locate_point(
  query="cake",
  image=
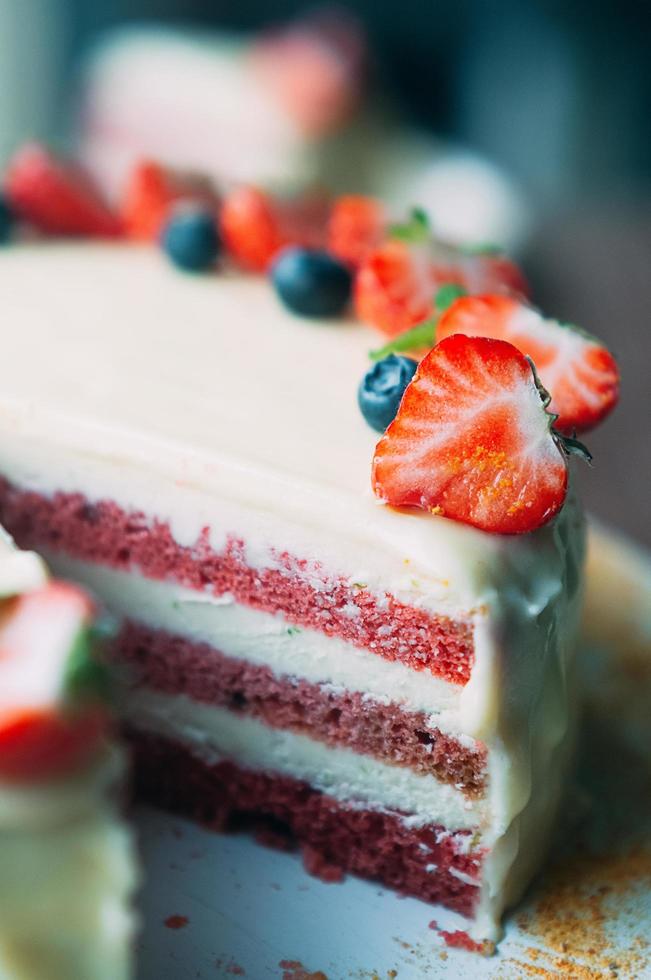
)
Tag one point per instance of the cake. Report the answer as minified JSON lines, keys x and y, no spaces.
{"x":378,"y":669}
{"x":66,"y":859}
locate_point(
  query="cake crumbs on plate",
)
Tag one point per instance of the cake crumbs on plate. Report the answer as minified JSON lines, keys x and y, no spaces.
{"x":294,"y":970}
{"x":571,"y":918}
{"x":228,"y":967}
{"x":176,"y":921}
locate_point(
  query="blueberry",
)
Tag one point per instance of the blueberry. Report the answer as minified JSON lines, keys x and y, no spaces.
{"x":190,"y":238}
{"x":311,"y":282}
{"x":6,"y":221}
{"x":382,"y":387}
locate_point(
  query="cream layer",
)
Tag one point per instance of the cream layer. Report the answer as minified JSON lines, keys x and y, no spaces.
{"x":265,"y":639}
{"x":217,"y":734}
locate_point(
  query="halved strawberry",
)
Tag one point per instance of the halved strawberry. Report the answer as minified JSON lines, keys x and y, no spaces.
{"x":55,"y":196}
{"x":394,"y":288}
{"x":472,"y":440}
{"x":396,"y":284}
{"x":51,"y":716}
{"x":356,"y":227}
{"x":580,"y":374}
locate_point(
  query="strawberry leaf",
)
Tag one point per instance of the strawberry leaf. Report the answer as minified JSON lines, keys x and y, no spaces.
{"x":422,"y":335}
{"x":415,"y":230}
{"x":86,"y":678}
{"x":447,"y":294}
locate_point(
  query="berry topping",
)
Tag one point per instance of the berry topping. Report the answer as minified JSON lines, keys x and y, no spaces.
{"x":578,"y":371}
{"x":311,"y":282}
{"x":6,"y":221}
{"x":396,"y":283}
{"x":251,"y":228}
{"x":55,"y":197}
{"x":473,"y":441}
{"x":51,"y":710}
{"x":382,"y":387}
{"x":422,"y":337}
{"x":356,"y":227}
{"x":393,"y":288}
{"x":151,"y":191}
{"x":190,"y":237}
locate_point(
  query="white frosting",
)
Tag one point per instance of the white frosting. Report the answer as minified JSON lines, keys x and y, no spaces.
{"x":20,"y":571}
{"x":216,"y":733}
{"x":199,"y":401}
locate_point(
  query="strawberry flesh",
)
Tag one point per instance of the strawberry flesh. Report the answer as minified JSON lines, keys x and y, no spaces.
{"x":472,"y":441}
{"x":580,"y":374}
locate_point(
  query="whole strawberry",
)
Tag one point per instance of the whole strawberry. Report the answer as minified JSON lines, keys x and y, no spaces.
{"x":473,"y":440}
{"x":578,"y":371}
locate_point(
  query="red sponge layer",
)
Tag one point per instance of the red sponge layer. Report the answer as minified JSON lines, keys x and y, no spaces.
{"x":105,"y":533}
{"x":334,"y":838}
{"x":176,"y":665}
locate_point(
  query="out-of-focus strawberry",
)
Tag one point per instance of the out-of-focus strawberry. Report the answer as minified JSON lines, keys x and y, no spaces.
{"x":151,"y":192}
{"x":396,"y":283}
{"x":56,"y":197}
{"x":356,"y":227}
{"x":255,"y":226}
{"x":51,"y":713}
{"x":251,"y":228}
{"x":394,"y":288}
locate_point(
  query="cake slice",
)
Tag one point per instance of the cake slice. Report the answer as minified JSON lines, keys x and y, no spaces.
{"x":391,"y":689}
{"x":66,"y":861}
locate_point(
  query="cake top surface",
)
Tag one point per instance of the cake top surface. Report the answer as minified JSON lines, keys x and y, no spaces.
{"x":112,"y":334}
{"x":212,"y":384}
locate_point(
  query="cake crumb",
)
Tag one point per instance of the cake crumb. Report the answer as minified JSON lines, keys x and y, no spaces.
{"x":316,"y":864}
{"x":294,"y":970}
{"x":230,"y":968}
{"x":176,"y":922}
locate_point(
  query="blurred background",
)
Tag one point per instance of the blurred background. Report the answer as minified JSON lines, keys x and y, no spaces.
{"x":520,"y":121}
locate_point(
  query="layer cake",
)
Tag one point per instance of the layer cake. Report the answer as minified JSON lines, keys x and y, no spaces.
{"x":389,"y":688}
